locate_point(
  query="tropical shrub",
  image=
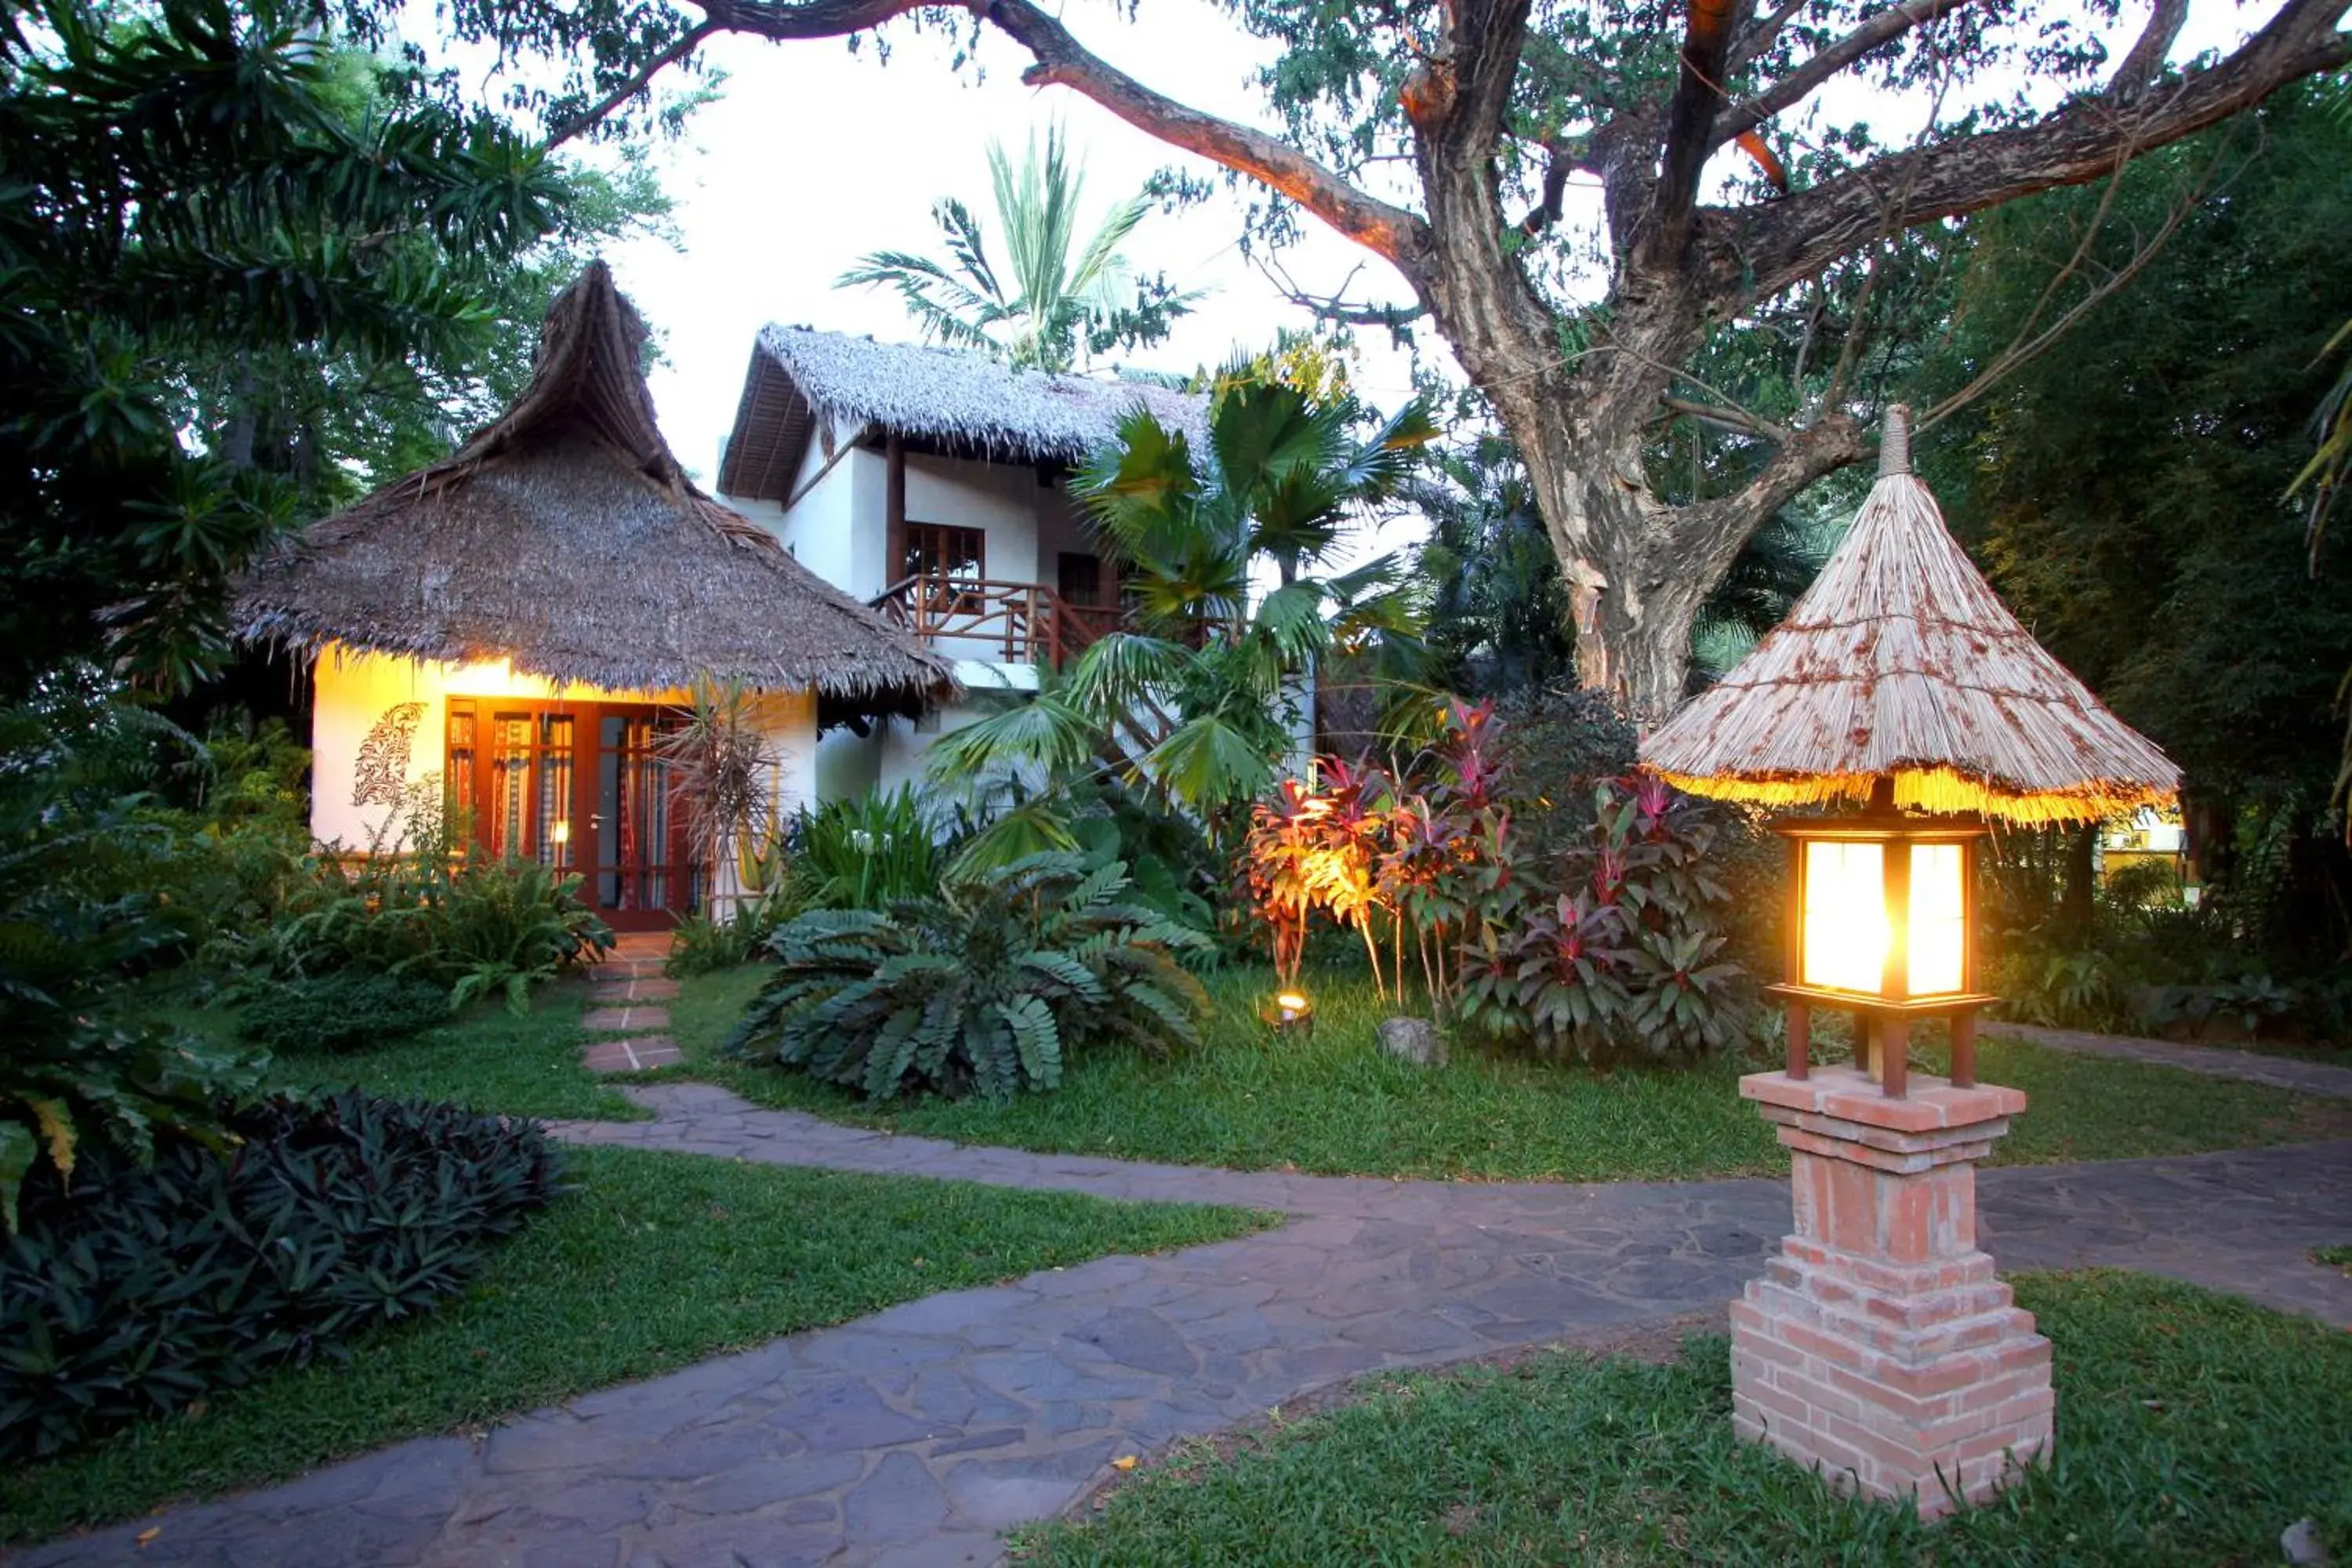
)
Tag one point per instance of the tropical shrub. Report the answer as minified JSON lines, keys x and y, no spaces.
{"x":867,"y":852}
{"x":411,"y":907}
{"x":345,"y":1010}
{"x":79,"y":1064}
{"x":983,"y":988}
{"x":1614,"y":943}
{"x":141,"y":1287}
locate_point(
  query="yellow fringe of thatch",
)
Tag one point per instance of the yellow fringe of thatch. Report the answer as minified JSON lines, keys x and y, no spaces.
{"x":1938,"y":790}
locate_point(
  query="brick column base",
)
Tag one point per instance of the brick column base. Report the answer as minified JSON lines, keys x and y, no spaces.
{"x":1878,"y":1347}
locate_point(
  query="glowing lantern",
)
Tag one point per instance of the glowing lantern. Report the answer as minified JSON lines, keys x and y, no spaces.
{"x":1287,"y":1011}
{"x":1881,"y":915}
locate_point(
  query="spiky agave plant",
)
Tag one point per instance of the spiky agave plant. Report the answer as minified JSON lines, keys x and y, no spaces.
{"x":983,"y":989}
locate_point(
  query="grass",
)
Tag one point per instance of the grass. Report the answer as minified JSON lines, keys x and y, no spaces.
{"x":1335,"y":1103}
{"x":656,"y":1261}
{"x":2332,"y":1257}
{"x":486,"y":1059}
{"x":2193,"y":1428}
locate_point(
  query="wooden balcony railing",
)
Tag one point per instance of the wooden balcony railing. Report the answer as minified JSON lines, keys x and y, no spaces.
{"x":1024,"y":622}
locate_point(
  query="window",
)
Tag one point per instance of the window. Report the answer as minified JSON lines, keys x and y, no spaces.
{"x":941,"y":550}
{"x":1080,"y":578}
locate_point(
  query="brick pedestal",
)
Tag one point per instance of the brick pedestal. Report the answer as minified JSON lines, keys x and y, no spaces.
{"x":1878,"y":1347}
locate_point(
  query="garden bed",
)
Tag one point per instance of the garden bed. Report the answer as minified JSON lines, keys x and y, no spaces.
{"x":2193,"y":1428}
{"x":1332,"y":1103}
{"x":656,"y":1262}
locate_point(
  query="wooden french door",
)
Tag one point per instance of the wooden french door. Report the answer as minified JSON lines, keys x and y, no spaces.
{"x":577,"y":786}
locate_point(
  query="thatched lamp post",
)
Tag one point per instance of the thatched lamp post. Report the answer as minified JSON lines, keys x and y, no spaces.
{"x":1879,"y":1346}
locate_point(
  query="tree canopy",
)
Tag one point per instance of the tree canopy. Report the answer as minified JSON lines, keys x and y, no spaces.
{"x":1446,"y":138}
{"x":243,"y":273}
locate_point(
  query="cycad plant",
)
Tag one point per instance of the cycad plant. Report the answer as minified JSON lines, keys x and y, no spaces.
{"x":1196,"y":702}
{"x":1057,"y":297}
{"x":983,"y":989}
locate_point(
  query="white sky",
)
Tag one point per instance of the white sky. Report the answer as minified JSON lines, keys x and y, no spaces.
{"x":814,"y":156}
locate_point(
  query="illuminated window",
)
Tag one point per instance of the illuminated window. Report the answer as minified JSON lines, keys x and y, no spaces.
{"x":1939,"y":927}
{"x":1845,"y":915}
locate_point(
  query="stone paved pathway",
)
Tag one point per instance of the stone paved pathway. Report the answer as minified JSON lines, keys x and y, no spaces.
{"x":628,"y":992}
{"x":2213,"y":1061}
{"x":913,"y":1436}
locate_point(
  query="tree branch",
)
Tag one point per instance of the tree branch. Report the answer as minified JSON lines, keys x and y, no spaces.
{"x":1800,"y":84}
{"x":1333,"y":306}
{"x":588,"y":118}
{"x":1788,"y":241}
{"x":1388,"y":231}
{"x":1565,"y":160}
{"x":1690,"y":118}
{"x":1759,"y":35}
{"x":2144,"y":62}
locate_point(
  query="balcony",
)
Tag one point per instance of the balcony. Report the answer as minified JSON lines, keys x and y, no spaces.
{"x":1013,"y":623}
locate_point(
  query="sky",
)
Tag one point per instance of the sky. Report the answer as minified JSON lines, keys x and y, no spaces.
{"x":813,"y":155}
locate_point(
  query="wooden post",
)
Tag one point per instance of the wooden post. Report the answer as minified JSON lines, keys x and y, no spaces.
{"x":1800,"y":1038}
{"x":1964,"y":1048}
{"x":1894,"y":1035}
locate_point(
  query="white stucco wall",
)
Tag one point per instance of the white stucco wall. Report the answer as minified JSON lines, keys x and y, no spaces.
{"x":352,"y":692}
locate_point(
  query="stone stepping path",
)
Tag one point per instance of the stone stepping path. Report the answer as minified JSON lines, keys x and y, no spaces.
{"x":916,"y":1436}
{"x":627,"y":995}
{"x":2213,"y":1061}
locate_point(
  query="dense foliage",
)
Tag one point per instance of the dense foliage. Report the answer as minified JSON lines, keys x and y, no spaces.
{"x":2128,"y":493}
{"x":1199,"y":703}
{"x":79,"y":916}
{"x":141,"y":1286}
{"x":243,"y":272}
{"x":344,"y":1010}
{"x":1610,"y":940}
{"x":985,"y":988}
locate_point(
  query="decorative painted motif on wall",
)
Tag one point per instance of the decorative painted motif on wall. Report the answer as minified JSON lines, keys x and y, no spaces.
{"x":382,"y":772}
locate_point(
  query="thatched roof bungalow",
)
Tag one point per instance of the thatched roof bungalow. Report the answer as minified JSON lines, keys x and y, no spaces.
{"x":1902,"y":667}
{"x":522,"y":616}
{"x":837,"y":388}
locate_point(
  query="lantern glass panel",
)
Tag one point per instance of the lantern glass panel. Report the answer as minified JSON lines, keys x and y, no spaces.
{"x":1846,"y":916}
{"x":1939,"y":927}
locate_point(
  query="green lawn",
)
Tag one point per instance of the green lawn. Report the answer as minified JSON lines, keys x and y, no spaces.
{"x":487,"y":1059}
{"x":2332,"y":1257}
{"x":1335,"y":1103}
{"x":656,"y":1261}
{"x":2193,"y":1428}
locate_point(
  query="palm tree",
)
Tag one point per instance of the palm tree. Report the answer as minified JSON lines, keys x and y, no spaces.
{"x":1195,"y":703}
{"x":1057,"y":297}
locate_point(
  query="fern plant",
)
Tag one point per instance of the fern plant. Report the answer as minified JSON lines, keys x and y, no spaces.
{"x":984,"y":988}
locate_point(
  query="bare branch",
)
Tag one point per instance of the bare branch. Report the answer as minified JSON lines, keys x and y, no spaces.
{"x":1565,"y":160}
{"x":1389,"y":231}
{"x":1800,"y":84}
{"x":1787,"y":241}
{"x":590,"y":118}
{"x":1690,"y":118}
{"x":2144,"y":62}
{"x":1333,"y":306}
{"x":1738,"y":421}
{"x":1759,"y":35}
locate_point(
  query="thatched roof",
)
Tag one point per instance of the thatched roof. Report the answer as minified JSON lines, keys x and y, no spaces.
{"x":565,"y":538}
{"x":956,"y":399}
{"x":1901,"y":663}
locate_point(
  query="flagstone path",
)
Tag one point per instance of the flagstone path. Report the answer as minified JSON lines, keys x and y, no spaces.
{"x":2213,"y":1061}
{"x":627,"y":996}
{"x":913,"y":1436}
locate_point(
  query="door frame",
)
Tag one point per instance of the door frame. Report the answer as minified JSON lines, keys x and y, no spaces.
{"x":588,"y":752}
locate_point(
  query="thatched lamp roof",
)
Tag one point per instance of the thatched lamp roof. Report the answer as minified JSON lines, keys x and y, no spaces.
{"x":1902,"y":664}
{"x":565,"y":538}
{"x":799,"y":378}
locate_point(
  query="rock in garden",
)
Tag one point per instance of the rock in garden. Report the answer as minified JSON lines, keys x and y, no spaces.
{"x":2301,"y":1545}
{"x":1415,"y":1040}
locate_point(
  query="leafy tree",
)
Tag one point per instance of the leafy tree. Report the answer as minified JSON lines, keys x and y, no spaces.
{"x":241,"y":273}
{"x":2126,"y":490}
{"x":1444,"y":139}
{"x":1057,"y":297}
{"x":1201,"y":694}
